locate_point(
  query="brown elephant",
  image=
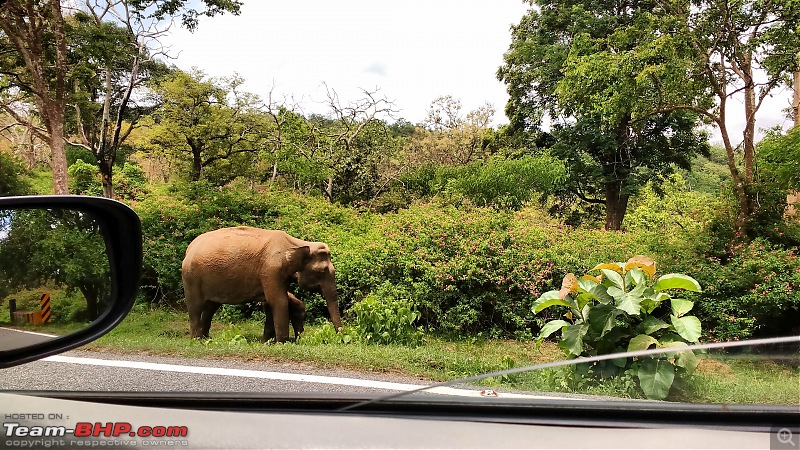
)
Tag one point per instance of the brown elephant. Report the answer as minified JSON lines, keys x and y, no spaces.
{"x":242,"y":264}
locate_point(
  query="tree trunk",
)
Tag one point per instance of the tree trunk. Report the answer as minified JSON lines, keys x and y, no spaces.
{"x":197,"y":160}
{"x":274,"y":173}
{"x":106,"y":174}
{"x":796,"y":97}
{"x":59,"y":157}
{"x":616,"y":205}
{"x":91,"y":302}
{"x":748,"y":142}
{"x":329,"y":188}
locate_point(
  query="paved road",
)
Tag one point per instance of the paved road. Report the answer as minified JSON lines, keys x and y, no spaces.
{"x":95,"y":371}
{"x":10,"y":339}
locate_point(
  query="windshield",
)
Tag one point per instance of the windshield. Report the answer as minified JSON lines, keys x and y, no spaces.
{"x":365,"y":198}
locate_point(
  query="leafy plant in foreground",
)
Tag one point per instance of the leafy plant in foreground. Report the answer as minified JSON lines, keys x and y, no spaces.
{"x":626,"y":309}
{"x":385,"y":320}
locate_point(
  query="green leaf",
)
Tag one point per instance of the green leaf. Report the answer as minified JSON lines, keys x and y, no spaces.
{"x":537,"y":307}
{"x":688,"y":327}
{"x":637,"y":276}
{"x":595,"y":291}
{"x":681,"y":306}
{"x":631,"y":304}
{"x":614,"y":277}
{"x":549,"y":299}
{"x":551,"y":327}
{"x":615,"y":292}
{"x":677,"y":281}
{"x":655,"y":377}
{"x":652,"y":324}
{"x":641,"y":342}
{"x":685,"y":359}
{"x":572,"y":338}
{"x":602,"y":318}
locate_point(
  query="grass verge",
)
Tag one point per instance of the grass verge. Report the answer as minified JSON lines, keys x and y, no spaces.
{"x":717,"y":380}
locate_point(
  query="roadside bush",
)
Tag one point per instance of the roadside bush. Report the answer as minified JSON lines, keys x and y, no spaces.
{"x":755,"y":294}
{"x":626,"y":309}
{"x":472,"y":269}
{"x":12,"y":176}
{"x":676,"y":208}
{"x":387,"y":317}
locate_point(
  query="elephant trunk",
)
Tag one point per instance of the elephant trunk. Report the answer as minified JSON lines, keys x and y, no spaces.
{"x":329,"y":292}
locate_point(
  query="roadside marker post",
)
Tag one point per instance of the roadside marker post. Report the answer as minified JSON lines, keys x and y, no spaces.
{"x":43,"y":315}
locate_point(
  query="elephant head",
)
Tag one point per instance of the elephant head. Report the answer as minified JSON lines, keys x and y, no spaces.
{"x":315,"y":272}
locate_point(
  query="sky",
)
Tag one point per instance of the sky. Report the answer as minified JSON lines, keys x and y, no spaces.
{"x":412,"y":51}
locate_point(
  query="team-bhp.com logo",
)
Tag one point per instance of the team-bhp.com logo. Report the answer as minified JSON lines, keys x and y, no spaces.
{"x":18,"y":435}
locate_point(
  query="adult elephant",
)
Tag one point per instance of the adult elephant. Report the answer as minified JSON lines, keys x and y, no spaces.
{"x":242,"y":264}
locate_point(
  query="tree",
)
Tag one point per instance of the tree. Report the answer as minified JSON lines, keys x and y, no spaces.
{"x":570,"y":60}
{"x":697,"y":56}
{"x":209,"y":120}
{"x":335,"y":137}
{"x":449,"y":137}
{"x":35,"y":63}
{"x":112,"y":58}
{"x":34,"y":46}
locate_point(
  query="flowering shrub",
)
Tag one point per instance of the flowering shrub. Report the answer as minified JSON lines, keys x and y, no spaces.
{"x":471,"y":269}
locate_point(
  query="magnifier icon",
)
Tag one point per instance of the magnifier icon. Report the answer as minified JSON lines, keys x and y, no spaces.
{"x":785,"y":436}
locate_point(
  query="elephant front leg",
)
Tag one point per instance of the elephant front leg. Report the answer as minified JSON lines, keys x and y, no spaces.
{"x":279,"y":304}
{"x":269,"y":324}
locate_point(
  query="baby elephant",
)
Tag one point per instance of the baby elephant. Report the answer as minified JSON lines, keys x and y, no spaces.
{"x":297,"y":317}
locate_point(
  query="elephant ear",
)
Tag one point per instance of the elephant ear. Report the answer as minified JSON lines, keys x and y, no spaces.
{"x":296,"y":258}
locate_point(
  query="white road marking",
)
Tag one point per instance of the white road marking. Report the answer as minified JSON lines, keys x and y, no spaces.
{"x":279,"y":376}
{"x":29,"y":332}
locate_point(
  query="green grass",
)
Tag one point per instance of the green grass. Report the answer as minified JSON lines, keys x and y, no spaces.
{"x":162,"y":332}
{"x":721,"y":379}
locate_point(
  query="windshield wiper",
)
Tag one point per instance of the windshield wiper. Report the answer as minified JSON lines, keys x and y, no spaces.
{"x":569,"y":362}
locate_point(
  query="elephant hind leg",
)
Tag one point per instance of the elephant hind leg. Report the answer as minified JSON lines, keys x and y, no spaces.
{"x":195,"y":321}
{"x":209,"y":308}
{"x":269,"y":325}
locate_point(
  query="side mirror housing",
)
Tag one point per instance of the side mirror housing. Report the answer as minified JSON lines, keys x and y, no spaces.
{"x":83,"y":251}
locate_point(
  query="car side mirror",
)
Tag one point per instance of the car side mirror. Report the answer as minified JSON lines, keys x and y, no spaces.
{"x":70,"y":267}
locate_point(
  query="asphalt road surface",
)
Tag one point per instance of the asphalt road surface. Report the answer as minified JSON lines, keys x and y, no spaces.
{"x":99,"y":371}
{"x":10,"y":339}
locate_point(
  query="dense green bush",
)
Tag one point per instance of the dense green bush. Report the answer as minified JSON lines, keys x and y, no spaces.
{"x":498,"y":182}
{"x":755,"y":293}
{"x":12,"y":176}
{"x":471,"y":269}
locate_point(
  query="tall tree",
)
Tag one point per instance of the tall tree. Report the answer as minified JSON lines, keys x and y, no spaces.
{"x":451,"y":137}
{"x":337,"y":134}
{"x":209,"y":120}
{"x":112,"y":58}
{"x":569,"y":61}
{"x":34,"y":46}
{"x":35,"y":65}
